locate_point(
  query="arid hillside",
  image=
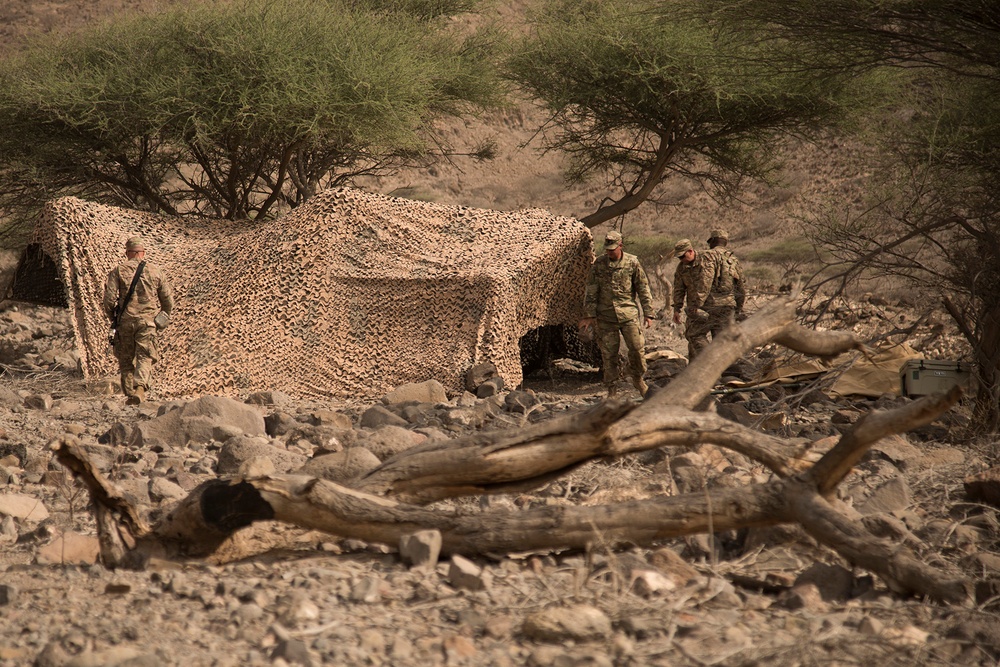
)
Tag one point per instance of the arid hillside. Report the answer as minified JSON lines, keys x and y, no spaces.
{"x":522,"y":176}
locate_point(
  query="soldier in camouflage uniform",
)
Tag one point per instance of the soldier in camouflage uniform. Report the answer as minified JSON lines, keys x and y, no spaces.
{"x":692,"y":282}
{"x":726,"y":296}
{"x":146,"y":312}
{"x":616,"y":282}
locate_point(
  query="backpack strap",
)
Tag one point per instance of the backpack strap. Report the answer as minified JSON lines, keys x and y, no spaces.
{"x":128,"y":296}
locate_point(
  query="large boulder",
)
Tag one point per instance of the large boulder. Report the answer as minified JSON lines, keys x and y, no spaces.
{"x":199,"y":420}
{"x":242,"y":449}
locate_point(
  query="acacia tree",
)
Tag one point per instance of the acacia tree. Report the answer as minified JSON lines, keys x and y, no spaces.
{"x":638,"y":90}
{"x":235,"y":109}
{"x":933,"y":215}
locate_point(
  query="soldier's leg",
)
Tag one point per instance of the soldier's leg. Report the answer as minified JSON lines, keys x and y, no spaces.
{"x":609,"y":340}
{"x":696,"y":332}
{"x":635,"y":341}
{"x":719,"y":319}
{"x":125,"y":353}
{"x":145,"y":356}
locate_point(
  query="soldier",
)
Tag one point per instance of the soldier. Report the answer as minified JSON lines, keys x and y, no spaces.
{"x":692,"y":282}
{"x":727,"y":293}
{"x":137,"y":301}
{"x":616,"y":281}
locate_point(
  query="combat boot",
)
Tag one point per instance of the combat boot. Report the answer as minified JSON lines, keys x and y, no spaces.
{"x":641,"y":385}
{"x":138,"y":397}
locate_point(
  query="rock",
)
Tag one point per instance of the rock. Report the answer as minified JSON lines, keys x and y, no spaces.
{"x":738,"y":413}
{"x":38,"y":402}
{"x":844,"y":416}
{"x":390,"y":440}
{"x":581,"y":623}
{"x":377,"y":416}
{"x":984,"y":487}
{"x":804,"y":596}
{"x":464,"y":574}
{"x":293,"y":651}
{"x":648,"y":583}
{"x":429,"y":391}
{"x":163,"y":489}
{"x":478,"y":374}
{"x":9,"y":399}
{"x":278,"y":424}
{"x":8,"y":594}
{"x":331,"y":418}
{"x":834,"y":583}
{"x":519,"y":401}
{"x":891,"y":496}
{"x":367,"y":589}
{"x":871,"y":626}
{"x":258,"y":466}
{"x":420,"y":550}
{"x":341,"y":466}
{"x":17,"y":450}
{"x":237,"y":451}
{"x":196,"y":421}
{"x":70,"y":549}
{"x":23,"y":507}
{"x":116,"y":436}
{"x":490,"y":387}
{"x":276,"y":398}
{"x":898,"y":450}
{"x":670,"y":563}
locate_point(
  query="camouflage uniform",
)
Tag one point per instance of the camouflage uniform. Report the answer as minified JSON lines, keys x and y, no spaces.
{"x":692,"y":282}
{"x":727,"y":294}
{"x":612,"y":290}
{"x":135,"y":344}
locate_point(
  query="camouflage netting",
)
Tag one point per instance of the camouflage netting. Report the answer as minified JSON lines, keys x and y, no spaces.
{"x":347,"y":296}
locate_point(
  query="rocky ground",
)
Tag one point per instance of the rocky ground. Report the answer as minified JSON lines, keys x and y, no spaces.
{"x":756,"y":597}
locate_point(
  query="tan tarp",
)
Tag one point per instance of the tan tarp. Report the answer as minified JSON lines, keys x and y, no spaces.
{"x":854,"y":374}
{"x":347,"y":296}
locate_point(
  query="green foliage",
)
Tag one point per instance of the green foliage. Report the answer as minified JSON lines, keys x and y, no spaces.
{"x":639,"y":88}
{"x":235,"y":109}
{"x":649,"y":249}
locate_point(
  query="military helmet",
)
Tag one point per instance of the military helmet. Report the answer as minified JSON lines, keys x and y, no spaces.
{"x":682,"y":247}
{"x":612,"y":240}
{"x":718,"y":233}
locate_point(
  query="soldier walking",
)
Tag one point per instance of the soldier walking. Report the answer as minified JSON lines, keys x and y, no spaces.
{"x":137,"y":301}
{"x":692,"y":283}
{"x":727,"y":294}
{"x":616,"y":289}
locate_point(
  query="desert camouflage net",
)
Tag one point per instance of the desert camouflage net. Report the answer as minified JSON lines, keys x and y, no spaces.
{"x":347,"y":296}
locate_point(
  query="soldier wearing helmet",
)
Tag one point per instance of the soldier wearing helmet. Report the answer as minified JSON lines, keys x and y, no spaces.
{"x":616,"y":289}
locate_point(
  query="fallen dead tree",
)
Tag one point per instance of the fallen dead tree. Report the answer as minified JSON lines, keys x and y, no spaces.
{"x":390,"y":501}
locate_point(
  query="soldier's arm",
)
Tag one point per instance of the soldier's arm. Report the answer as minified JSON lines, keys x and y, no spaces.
{"x":110,"y":302}
{"x":640,"y":283}
{"x":166,"y":295}
{"x":677,"y":296}
{"x":590,"y":295}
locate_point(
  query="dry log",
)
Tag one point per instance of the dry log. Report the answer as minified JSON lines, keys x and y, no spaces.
{"x":386,"y":504}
